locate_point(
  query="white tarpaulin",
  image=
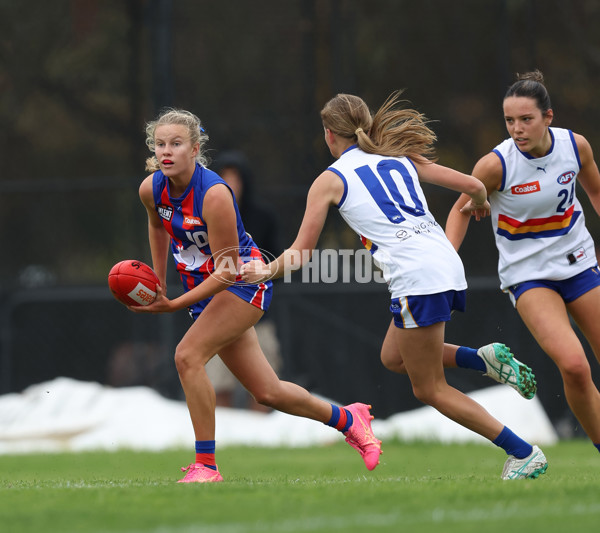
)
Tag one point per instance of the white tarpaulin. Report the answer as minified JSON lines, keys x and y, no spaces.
{"x":69,"y":415}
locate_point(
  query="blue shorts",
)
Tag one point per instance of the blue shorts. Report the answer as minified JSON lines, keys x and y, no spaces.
{"x":257,"y":295}
{"x":569,"y":289}
{"x":428,"y":309}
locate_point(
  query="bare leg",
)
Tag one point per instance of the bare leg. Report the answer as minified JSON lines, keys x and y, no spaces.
{"x":394,"y":361}
{"x":422,"y":352}
{"x":585,"y":311}
{"x":247,"y":362}
{"x":225,"y":327}
{"x":545,"y":314}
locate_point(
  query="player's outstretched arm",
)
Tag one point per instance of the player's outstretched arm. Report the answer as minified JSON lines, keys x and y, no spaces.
{"x":325,"y":191}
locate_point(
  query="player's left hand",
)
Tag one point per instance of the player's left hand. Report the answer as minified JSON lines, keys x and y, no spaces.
{"x":255,"y":272}
{"x":160,"y":305}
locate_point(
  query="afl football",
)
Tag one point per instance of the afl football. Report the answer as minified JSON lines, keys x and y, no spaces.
{"x":133,"y":282}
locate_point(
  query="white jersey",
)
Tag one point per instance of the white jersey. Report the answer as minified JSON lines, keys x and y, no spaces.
{"x":383,"y":202}
{"x":537,"y":220}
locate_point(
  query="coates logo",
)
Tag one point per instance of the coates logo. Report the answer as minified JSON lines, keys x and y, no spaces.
{"x":526,"y":188}
{"x":566,"y":177}
{"x":190,"y":221}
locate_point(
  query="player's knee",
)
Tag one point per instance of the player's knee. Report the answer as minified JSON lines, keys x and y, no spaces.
{"x":426,"y":395}
{"x":393,"y":363}
{"x":185,"y":359}
{"x":181,"y":363}
{"x":576,"y":372}
{"x":270,"y":396}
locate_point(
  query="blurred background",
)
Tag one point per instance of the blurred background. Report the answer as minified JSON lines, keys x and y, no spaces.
{"x":79,"y":79}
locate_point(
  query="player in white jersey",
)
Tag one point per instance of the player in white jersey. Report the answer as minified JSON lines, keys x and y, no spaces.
{"x":392,"y":218}
{"x":375,"y":183}
{"x":547,"y":261}
{"x":537,"y":220}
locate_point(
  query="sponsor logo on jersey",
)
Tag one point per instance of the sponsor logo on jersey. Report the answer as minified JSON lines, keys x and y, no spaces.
{"x":403,"y":235}
{"x":566,"y":177}
{"x":526,"y":188}
{"x":189,"y":221}
{"x":165,"y":211}
{"x":577,"y":255}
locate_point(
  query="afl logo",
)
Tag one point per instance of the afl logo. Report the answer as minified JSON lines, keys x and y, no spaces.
{"x":566,"y":177}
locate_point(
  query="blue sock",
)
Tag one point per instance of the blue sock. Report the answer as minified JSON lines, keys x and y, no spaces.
{"x":341,"y":419}
{"x":597,"y":447}
{"x":468,"y":358}
{"x":512,"y":444}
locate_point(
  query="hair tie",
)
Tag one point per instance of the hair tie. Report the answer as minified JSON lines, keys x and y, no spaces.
{"x":357,"y":131}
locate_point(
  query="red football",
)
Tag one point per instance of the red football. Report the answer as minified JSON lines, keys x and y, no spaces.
{"x":133,"y":282}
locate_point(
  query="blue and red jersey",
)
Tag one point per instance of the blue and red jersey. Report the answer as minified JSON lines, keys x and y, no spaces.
{"x":183,"y":219}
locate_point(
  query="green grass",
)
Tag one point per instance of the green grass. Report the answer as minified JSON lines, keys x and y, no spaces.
{"x":417,"y":487}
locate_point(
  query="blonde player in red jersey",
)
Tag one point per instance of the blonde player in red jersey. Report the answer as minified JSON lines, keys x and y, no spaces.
{"x":375,"y":184}
{"x":547,"y":261}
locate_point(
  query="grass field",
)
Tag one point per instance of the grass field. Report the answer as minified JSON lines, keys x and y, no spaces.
{"x":418,"y":487}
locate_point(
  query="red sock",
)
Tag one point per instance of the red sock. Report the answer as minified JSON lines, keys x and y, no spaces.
{"x":341,"y":423}
{"x":206,"y":459}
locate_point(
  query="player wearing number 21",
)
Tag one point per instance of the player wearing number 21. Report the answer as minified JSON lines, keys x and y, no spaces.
{"x":547,"y":262}
{"x":375,"y":184}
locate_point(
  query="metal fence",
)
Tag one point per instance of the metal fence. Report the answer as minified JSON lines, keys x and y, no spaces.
{"x":330,"y":337}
